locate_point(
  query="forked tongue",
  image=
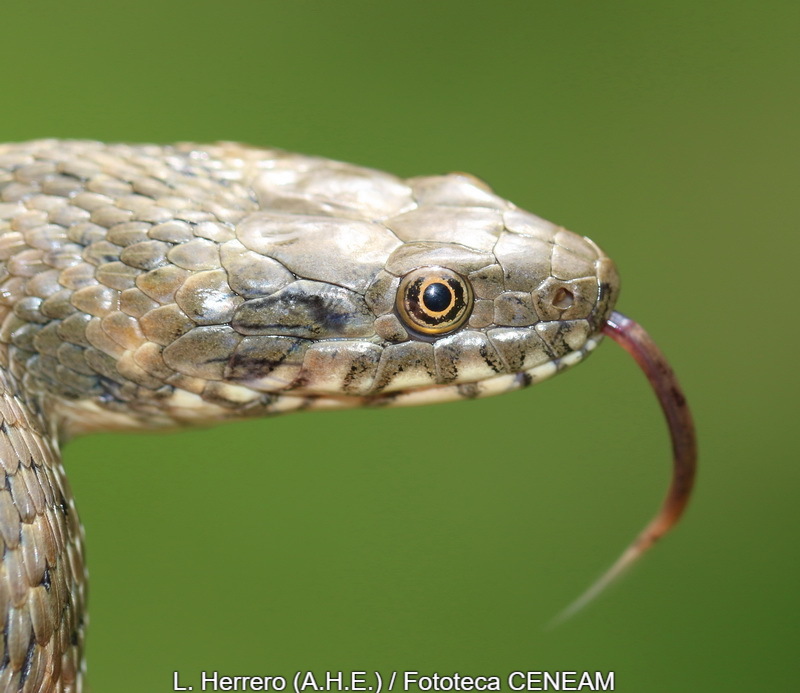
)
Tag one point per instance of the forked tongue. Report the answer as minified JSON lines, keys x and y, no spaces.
{"x":633,"y":338}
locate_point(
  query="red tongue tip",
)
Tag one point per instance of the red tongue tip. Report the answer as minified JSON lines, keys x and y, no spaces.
{"x":633,"y":338}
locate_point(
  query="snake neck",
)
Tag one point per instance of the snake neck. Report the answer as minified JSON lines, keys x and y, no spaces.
{"x":42,"y":575}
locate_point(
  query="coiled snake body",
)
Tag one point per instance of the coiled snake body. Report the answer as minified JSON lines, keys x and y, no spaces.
{"x":154,"y":286}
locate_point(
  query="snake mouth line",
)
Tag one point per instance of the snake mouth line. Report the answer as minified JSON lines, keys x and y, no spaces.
{"x":486,"y":387}
{"x":634,"y":339}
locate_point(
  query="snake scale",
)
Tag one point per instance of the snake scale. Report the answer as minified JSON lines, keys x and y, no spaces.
{"x":148,"y":286}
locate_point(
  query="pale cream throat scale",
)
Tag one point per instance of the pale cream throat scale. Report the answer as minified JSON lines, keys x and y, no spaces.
{"x":148,"y":286}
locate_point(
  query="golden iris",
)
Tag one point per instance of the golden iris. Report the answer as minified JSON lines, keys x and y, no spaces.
{"x":434,"y":300}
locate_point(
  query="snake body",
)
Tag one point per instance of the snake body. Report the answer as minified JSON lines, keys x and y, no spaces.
{"x":147,"y":286}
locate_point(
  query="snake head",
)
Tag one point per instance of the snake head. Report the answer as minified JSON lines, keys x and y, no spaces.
{"x":366,"y":286}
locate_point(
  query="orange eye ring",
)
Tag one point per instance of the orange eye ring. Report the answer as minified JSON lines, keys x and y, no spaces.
{"x":434,"y":300}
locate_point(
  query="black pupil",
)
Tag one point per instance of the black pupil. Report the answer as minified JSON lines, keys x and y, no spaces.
{"x":437,"y":297}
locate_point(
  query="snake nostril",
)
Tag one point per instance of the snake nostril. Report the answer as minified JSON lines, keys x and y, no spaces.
{"x":563,"y":298}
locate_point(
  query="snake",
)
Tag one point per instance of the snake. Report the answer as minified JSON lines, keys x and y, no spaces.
{"x":149,"y":286}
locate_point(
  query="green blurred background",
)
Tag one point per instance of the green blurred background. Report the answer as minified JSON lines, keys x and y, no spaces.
{"x":359,"y":540}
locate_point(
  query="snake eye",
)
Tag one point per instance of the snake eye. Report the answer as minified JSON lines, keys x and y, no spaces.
{"x":434,"y":300}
